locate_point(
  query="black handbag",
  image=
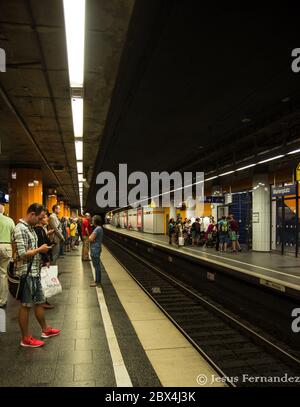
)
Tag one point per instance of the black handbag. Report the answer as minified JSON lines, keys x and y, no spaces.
{"x":16,"y":283}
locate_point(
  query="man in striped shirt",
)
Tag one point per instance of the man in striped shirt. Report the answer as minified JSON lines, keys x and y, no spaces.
{"x":27,"y":260}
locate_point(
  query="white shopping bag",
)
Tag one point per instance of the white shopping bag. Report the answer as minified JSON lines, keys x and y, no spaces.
{"x":180,"y":241}
{"x":50,"y":282}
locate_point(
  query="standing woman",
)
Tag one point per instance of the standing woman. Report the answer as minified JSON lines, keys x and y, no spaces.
{"x":95,"y":240}
{"x":42,"y":235}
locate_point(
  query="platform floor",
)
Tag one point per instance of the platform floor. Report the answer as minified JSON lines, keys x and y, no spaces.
{"x":281,"y":269}
{"x":111,"y":336}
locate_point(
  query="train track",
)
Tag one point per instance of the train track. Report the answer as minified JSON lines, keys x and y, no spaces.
{"x":241,"y":356}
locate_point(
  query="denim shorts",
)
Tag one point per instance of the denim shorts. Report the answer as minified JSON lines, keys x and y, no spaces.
{"x":32,"y":291}
{"x":223,"y":238}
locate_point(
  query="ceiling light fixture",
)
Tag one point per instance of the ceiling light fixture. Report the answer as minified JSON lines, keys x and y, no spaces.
{"x":247,"y":166}
{"x":294,"y":151}
{"x":80,"y":167}
{"x":74,"y":12}
{"x":79,"y":150}
{"x":209,"y":179}
{"x":271,"y":159}
{"x":77,"y":113}
{"x":225,"y":173}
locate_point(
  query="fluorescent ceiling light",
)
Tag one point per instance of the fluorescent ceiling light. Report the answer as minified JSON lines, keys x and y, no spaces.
{"x":271,"y":159}
{"x":226,"y":173}
{"x":79,"y":150}
{"x":74,"y":11}
{"x":80,"y":178}
{"x":77,"y":113}
{"x":294,"y":151}
{"x":209,"y":179}
{"x":247,"y":166}
{"x":79,"y":167}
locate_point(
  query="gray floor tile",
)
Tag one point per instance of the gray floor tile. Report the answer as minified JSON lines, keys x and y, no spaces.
{"x":75,"y":357}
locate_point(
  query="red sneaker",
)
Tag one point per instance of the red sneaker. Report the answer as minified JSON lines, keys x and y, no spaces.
{"x":30,"y":342}
{"x":50,"y":332}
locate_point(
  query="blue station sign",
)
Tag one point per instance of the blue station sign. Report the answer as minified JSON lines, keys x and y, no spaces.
{"x":286,"y":190}
{"x":214,"y":199}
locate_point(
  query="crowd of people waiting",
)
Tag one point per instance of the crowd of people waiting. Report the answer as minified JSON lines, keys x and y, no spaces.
{"x":220,"y":234}
{"x":37,"y":241}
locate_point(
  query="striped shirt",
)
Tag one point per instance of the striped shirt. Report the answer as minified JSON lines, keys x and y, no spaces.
{"x":26,"y":239}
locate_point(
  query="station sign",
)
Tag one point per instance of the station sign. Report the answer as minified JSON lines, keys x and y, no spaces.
{"x":214,"y":199}
{"x":282,"y":191}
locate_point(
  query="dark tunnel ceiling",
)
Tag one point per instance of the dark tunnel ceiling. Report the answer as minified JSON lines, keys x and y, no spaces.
{"x":189,"y":75}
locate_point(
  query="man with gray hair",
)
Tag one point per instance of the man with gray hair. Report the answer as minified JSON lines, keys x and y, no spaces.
{"x":57,"y":237}
{"x":7,"y":227}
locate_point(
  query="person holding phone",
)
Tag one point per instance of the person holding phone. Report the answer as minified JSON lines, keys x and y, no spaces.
{"x":42,"y":234}
{"x":27,"y":260}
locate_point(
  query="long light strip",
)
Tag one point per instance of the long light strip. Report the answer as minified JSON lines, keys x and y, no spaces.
{"x":74,"y":11}
{"x":80,"y":167}
{"x":227,"y":173}
{"x":294,"y":151}
{"x":247,"y":166}
{"x":209,"y":179}
{"x":77,"y":114}
{"x":79,"y":150}
{"x":271,"y":159}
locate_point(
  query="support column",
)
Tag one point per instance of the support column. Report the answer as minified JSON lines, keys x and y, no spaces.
{"x":62,"y":208}
{"x":261,"y":213}
{"x":26,"y":188}
{"x":51,"y":201}
{"x":67,"y":211}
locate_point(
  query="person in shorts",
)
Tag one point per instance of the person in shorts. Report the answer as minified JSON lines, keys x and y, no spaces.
{"x":234,"y":230}
{"x":27,"y":263}
{"x":223,"y":228}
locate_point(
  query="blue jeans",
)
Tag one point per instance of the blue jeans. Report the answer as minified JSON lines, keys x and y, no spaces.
{"x":97,"y":265}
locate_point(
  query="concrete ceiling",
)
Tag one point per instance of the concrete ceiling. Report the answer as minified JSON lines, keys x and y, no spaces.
{"x":35,"y":112}
{"x":202,"y":86}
